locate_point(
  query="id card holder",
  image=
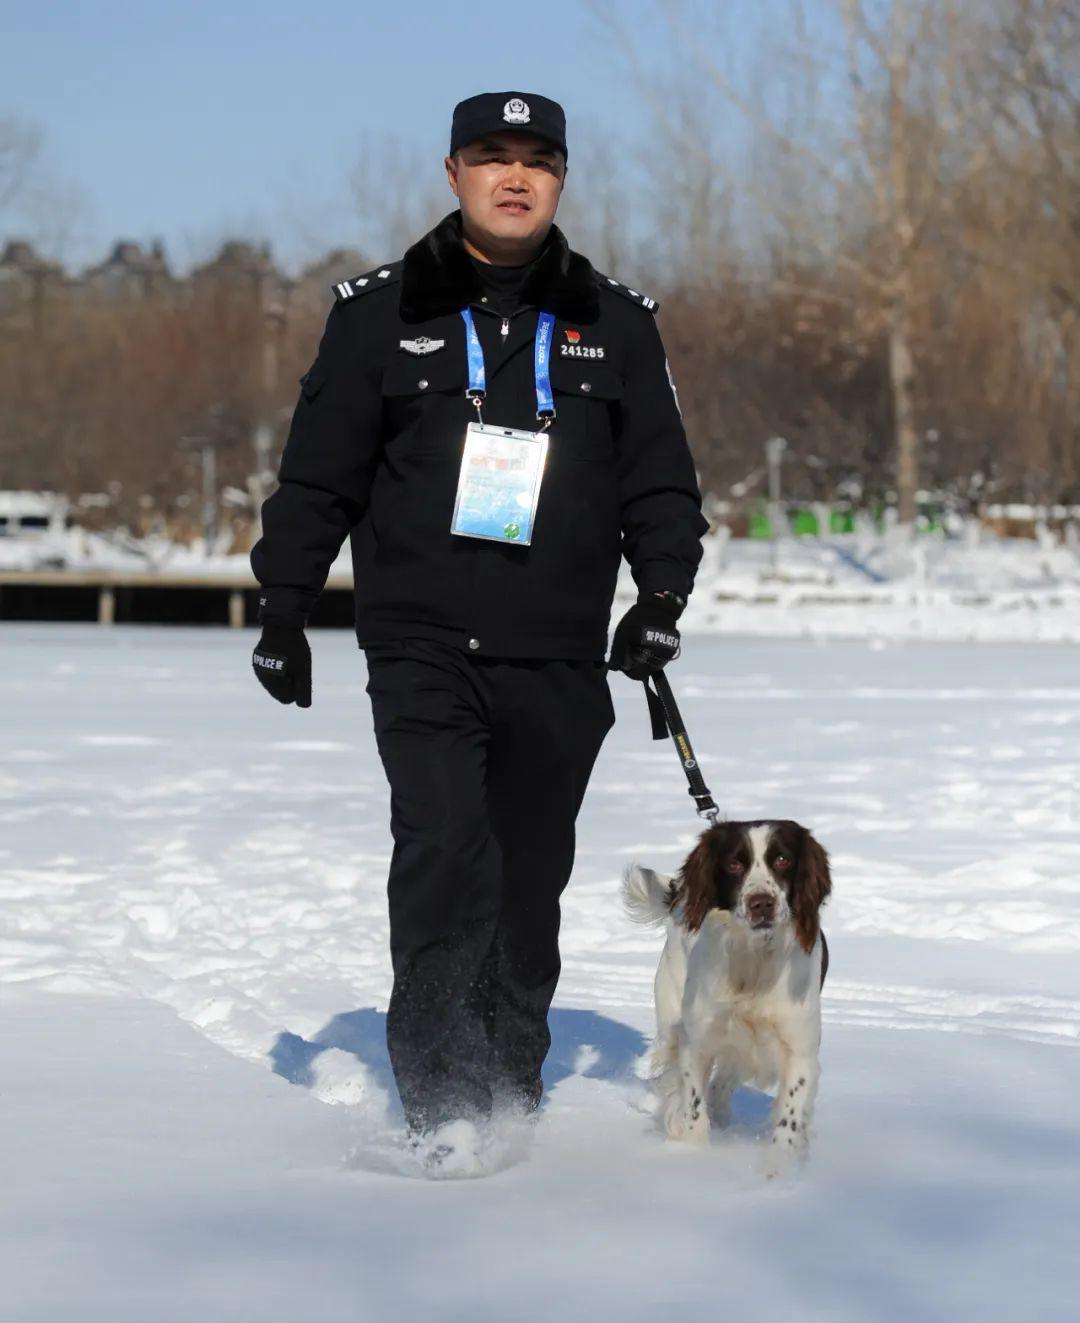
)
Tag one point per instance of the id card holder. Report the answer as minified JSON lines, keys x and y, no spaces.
{"x":499,"y":484}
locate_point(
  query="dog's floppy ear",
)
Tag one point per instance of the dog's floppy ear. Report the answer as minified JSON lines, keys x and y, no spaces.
{"x":812,"y":885}
{"x":697,"y":879}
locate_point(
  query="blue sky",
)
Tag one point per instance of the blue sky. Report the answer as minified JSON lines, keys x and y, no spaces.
{"x":190,"y":121}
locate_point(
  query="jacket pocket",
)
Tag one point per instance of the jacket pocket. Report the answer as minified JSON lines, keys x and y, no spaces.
{"x":582,"y":499}
{"x":424,"y":406}
{"x":588,"y":397}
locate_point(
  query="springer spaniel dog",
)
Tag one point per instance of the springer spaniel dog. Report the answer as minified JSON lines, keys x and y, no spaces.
{"x":738,"y":990}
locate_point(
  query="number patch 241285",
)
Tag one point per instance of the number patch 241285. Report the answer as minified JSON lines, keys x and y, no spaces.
{"x":581,"y":351}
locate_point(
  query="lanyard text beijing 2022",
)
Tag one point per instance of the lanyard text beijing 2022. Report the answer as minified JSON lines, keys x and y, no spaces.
{"x":474,"y":352}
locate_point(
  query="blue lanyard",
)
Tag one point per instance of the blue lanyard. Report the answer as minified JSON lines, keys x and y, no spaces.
{"x":474,"y":352}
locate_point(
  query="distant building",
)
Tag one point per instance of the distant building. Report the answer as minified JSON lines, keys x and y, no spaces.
{"x":34,"y":290}
{"x":244,"y":270}
{"x":129,"y":272}
{"x":30,"y":285}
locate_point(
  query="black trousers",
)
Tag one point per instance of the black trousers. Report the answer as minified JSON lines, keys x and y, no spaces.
{"x":487,"y":761}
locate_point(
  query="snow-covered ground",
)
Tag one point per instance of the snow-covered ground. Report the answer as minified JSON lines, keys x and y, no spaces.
{"x":973,"y":587}
{"x":193,"y":970}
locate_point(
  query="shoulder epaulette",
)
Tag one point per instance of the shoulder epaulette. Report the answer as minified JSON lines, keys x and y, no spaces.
{"x":389,"y":274}
{"x":628,"y":293}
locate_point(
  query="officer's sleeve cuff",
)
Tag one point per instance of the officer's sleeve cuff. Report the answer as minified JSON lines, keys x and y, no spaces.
{"x":670,"y":600}
{"x":285,"y":606}
{"x":662,"y":577}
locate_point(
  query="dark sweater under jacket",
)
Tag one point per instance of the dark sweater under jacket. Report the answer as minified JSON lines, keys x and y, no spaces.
{"x":375,"y":447}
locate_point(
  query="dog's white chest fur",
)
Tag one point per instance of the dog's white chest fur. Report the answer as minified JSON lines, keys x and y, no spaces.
{"x":736,"y":994}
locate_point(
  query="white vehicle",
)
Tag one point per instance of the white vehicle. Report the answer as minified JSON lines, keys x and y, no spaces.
{"x":32,"y":514}
{"x":32,"y":529}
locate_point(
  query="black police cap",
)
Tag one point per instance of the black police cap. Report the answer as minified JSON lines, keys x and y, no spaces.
{"x":498,"y":112}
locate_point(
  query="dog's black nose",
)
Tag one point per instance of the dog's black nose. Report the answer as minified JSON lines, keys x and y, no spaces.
{"x":761,"y":907}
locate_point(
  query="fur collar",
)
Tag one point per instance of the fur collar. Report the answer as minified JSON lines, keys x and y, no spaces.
{"x":437,"y":277}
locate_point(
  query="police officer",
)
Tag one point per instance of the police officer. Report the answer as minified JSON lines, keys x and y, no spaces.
{"x":483,"y":608}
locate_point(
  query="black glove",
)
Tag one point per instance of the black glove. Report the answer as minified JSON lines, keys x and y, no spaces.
{"x":646,"y":638}
{"x":282,"y":662}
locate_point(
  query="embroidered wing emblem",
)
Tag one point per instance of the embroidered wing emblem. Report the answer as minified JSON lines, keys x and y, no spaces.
{"x":422,"y":345}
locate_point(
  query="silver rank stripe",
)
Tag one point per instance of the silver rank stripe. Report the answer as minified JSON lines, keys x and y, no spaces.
{"x":348,"y":288}
{"x":644,"y":299}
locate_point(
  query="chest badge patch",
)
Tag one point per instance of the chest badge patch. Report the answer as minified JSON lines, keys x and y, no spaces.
{"x":575,"y":349}
{"x":422,"y":345}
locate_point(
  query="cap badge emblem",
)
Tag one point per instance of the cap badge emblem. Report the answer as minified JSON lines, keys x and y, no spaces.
{"x":421,"y":345}
{"x":516,"y":111}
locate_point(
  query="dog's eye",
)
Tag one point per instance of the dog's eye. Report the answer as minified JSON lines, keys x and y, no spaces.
{"x":781,"y":861}
{"x":733,"y":866}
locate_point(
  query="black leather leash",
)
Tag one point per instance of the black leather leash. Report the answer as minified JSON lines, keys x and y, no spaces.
{"x":667,"y":719}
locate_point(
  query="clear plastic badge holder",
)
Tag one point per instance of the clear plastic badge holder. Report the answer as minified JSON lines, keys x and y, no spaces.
{"x":499,"y":483}
{"x":502,"y":468}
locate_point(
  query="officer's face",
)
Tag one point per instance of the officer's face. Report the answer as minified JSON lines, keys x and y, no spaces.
{"x":509,"y":187}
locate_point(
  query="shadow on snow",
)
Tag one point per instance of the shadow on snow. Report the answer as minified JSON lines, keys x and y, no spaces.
{"x":582,"y":1043}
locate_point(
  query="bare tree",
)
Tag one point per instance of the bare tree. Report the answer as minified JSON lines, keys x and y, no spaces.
{"x":36,"y":203}
{"x":20,"y":148}
{"x":398,"y":194}
{"x":850,"y":162}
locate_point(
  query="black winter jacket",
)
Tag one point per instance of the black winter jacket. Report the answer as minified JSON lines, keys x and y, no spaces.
{"x":375,"y":446}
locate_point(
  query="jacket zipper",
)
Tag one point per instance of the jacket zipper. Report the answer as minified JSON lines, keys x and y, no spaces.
{"x":505,"y":327}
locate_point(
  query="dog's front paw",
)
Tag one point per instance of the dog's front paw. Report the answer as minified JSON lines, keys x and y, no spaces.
{"x":688,"y":1122}
{"x":784,"y":1154}
{"x":719,"y":1103}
